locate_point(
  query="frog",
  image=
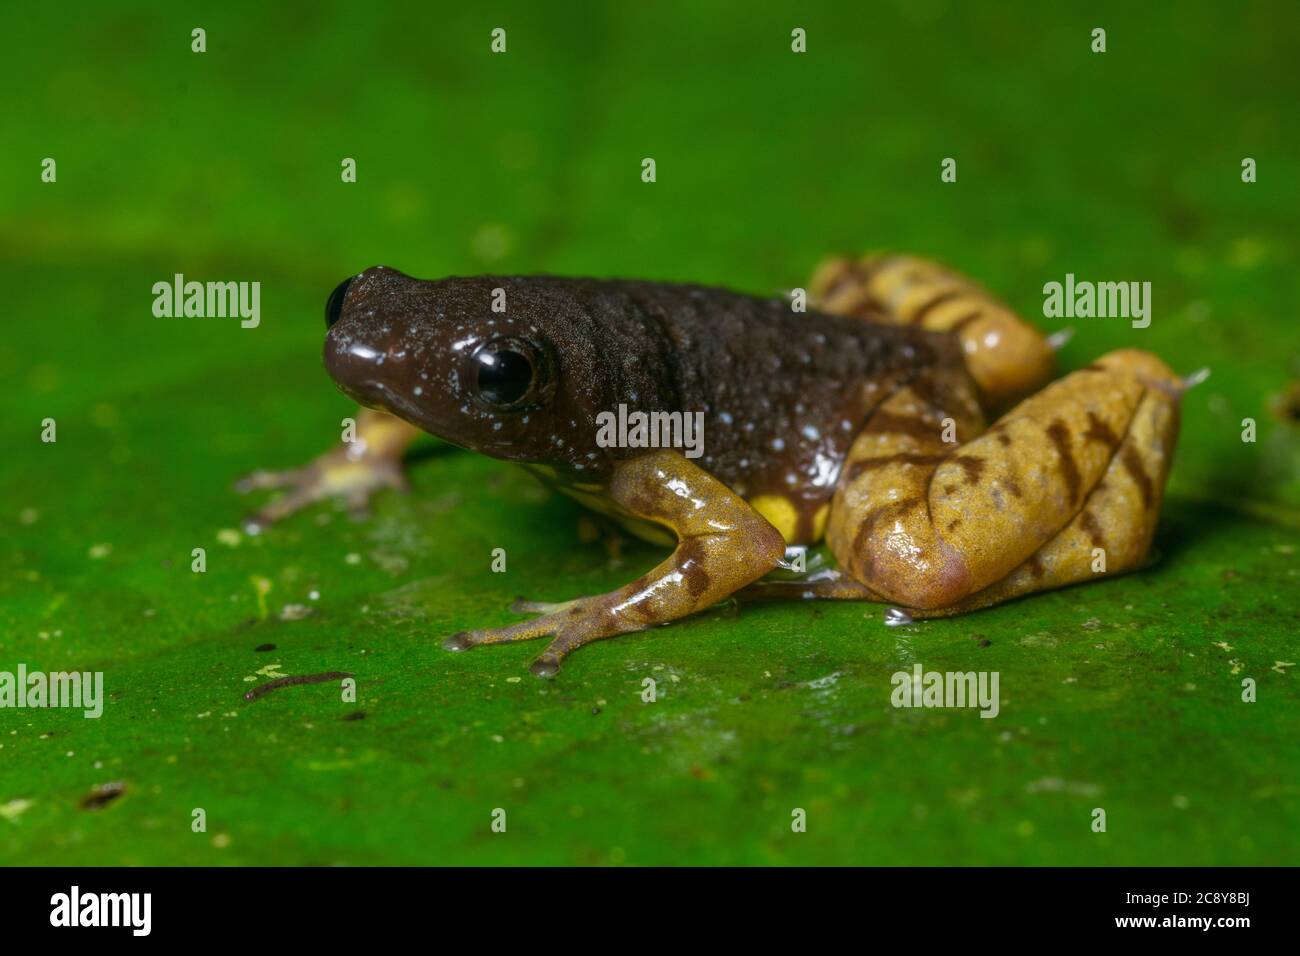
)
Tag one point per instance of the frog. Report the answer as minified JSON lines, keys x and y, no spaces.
{"x":894,"y":411}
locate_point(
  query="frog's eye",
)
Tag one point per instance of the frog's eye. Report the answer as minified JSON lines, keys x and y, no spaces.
{"x":509,"y":374}
{"x":334,"y":306}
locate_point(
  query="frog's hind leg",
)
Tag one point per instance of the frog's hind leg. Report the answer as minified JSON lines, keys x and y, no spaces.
{"x":1076,"y":469}
{"x":723,"y":545}
{"x":1007,"y":357}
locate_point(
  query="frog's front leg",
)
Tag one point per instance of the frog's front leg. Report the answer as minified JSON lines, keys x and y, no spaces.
{"x":352,"y":470}
{"x":723,"y":545}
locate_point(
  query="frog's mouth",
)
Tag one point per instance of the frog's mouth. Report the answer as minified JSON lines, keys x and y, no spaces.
{"x":378,"y":396}
{"x":355,"y":368}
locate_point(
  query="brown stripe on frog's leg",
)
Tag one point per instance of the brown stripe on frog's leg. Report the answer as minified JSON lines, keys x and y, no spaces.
{"x":353,"y":471}
{"x":1119,"y":515}
{"x":723,"y":545}
{"x":927,"y":529}
{"x":1007,"y":357}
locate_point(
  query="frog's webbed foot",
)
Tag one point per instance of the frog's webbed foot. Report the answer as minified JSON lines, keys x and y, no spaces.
{"x":352,"y":472}
{"x":332,"y":475}
{"x":570,"y":623}
{"x":724,"y":544}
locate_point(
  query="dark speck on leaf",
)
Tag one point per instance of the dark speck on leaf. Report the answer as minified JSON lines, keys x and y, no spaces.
{"x":264,"y":647}
{"x":102,"y":795}
{"x":1286,"y":404}
{"x":355,"y":715}
{"x":595,"y":710}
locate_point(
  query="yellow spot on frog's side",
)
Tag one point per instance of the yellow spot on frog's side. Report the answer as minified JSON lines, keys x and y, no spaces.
{"x":780,"y":513}
{"x":819,"y":521}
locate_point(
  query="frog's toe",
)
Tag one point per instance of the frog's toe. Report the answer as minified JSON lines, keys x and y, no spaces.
{"x":263,"y":479}
{"x":523,"y":631}
{"x":524,"y":606}
{"x":277,"y":509}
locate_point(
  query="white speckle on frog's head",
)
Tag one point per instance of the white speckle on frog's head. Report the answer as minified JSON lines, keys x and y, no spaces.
{"x":778,"y":444}
{"x":417,"y":391}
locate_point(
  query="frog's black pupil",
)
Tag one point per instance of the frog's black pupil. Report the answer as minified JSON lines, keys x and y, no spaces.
{"x":504,"y":377}
{"x":334,"y":307}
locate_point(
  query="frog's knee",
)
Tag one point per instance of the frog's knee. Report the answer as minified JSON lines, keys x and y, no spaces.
{"x":1149,"y":369}
{"x":902,"y":568}
{"x":928,"y":585}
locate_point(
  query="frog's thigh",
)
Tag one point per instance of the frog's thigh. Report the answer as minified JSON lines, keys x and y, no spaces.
{"x":1074,"y":465}
{"x":723,"y":544}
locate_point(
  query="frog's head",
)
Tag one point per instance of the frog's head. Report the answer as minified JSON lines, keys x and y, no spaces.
{"x":495,"y":364}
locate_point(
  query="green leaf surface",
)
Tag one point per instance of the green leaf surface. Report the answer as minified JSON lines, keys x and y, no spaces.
{"x":1124,"y":695}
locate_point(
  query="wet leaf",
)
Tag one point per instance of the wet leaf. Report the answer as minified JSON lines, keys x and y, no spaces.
{"x":1125,"y":695}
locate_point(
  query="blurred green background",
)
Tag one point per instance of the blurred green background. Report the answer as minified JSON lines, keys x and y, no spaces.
{"x":226,"y":165}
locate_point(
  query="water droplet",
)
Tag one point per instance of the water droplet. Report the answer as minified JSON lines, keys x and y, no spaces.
{"x":545,"y":669}
{"x":897,"y":617}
